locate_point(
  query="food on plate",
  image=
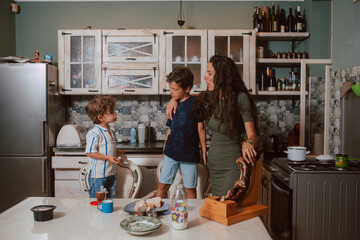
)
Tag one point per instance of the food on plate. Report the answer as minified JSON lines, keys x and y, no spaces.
{"x":147,"y":205}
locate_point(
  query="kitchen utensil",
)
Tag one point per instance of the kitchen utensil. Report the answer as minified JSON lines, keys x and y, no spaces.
{"x":296,"y":153}
{"x":43,"y":213}
{"x":106,"y":206}
{"x":71,"y":135}
{"x":325,"y":158}
{"x":131,"y":206}
{"x":140,"y":225}
{"x":342,"y":160}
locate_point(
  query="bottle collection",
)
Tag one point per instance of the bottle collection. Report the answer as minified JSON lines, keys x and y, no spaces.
{"x":268,"y":82}
{"x":264,"y":21}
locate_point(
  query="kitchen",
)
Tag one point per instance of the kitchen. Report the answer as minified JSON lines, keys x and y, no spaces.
{"x":36,"y":26}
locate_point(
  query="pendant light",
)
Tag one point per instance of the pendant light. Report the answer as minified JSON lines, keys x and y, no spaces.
{"x":181,"y":17}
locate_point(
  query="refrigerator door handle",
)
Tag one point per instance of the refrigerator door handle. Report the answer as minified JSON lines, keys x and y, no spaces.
{"x":43,"y":137}
{"x":44,"y":184}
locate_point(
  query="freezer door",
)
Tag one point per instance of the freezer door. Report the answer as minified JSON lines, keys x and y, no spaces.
{"x":23,"y":103}
{"x":22,"y":177}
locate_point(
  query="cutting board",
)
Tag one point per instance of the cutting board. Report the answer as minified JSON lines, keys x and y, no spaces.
{"x":227,"y":213}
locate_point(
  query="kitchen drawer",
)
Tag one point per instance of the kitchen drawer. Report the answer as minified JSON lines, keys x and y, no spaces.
{"x":68,"y":189}
{"x":66,"y":174}
{"x":73,"y":162}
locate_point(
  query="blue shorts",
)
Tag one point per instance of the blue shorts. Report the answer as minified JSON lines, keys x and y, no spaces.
{"x":170,"y":168}
{"x":109,"y":183}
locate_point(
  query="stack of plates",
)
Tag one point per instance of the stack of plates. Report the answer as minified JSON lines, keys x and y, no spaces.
{"x":140,"y":225}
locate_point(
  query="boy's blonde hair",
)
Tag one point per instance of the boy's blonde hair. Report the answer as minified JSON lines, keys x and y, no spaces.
{"x":99,"y":106}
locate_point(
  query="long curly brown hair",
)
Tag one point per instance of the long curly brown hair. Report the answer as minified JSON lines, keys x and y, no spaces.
{"x":227,"y":86}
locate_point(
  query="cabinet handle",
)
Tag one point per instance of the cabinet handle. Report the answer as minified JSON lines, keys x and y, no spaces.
{"x":198,"y":91}
{"x":155,"y":38}
{"x":66,"y":90}
{"x":129,"y":90}
{"x":52,"y":84}
{"x":105,"y":36}
{"x":132,"y":59}
{"x":168,"y":32}
{"x":247,"y":33}
{"x":65,"y":33}
{"x":80,"y":162}
{"x":154,"y":71}
{"x":165,"y":90}
{"x":93,"y":90}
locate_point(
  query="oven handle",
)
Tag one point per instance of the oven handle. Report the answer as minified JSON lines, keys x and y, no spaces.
{"x":279,"y":188}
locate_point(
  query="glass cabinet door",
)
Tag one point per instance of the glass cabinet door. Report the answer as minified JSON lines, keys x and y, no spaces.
{"x":186,"y":48}
{"x":130,"y":81}
{"x":130,"y":46}
{"x":235,"y":44}
{"x":82,"y":61}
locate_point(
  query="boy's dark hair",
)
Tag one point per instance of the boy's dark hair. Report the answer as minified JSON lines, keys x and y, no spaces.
{"x":99,"y":106}
{"x":182,"y":76}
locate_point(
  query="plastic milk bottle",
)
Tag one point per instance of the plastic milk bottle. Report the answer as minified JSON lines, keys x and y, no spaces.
{"x":179,"y":210}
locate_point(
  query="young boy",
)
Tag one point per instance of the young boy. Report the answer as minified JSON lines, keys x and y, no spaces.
{"x":182,"y":138}
{"x":101,"y":146}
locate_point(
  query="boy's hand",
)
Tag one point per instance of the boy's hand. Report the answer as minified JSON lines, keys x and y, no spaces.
{"x":113,"y":160}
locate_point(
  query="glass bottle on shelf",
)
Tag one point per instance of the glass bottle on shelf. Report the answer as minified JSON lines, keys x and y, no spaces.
{"x":283,"y":85}
{"x":278,"y":85}
{"x":289,"y":86}
{"x":290,"y":24}
{"x":274,"y":24}
{"x":298,"y":21}
{"x":282,"y":21}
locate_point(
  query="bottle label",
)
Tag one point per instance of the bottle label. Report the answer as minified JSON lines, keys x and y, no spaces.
{"x":282,"y":28}
{"x":299,"y":27}
{"x":179,"y":212}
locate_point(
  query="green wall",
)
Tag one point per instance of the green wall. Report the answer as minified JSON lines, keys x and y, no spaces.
{"x":38,"y":22}
{"x":7,"y":29}
{"x":346,"y":39}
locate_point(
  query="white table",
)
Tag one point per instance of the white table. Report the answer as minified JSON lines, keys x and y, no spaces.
{"x":77,"y":219}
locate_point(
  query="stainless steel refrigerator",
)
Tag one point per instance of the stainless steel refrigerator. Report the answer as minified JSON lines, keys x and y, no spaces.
{"x":31,"y":115}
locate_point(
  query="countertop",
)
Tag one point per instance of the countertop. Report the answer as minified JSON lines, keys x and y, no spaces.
{"x":77,"y":219}
{"x":153,"y":147}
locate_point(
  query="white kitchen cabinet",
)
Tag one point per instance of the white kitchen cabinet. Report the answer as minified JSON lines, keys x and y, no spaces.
{"x":130,"y":46}
{"x":79,"y":61}
{"x":240,"y":46}
{"x":186,"y":48}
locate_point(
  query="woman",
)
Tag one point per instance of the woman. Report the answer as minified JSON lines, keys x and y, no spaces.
{"x":230,"y":114}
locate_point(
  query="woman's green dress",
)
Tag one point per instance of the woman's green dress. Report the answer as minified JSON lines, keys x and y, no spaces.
{"x":224,"y":151}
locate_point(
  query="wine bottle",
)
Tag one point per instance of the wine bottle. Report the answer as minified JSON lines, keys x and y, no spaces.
{"x":290,"y":21}
{"x":257,"y":20}
{"x":282,"y":21}
{"x":304,"y":22}
{"x":274,"y":24}
{"x":298,"y":21}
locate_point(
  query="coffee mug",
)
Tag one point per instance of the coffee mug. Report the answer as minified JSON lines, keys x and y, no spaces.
{"x":106,"y":206}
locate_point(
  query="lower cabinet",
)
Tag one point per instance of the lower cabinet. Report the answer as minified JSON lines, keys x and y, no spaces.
{"x":66,"y":173}
{"x":265,"y":197}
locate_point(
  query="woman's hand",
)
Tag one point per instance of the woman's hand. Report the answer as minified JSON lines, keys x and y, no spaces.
{"x":171,"y":108}
{"x":248,"y":153}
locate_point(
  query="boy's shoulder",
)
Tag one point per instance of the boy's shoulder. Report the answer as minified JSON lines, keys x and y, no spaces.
{"x":95,"y":131}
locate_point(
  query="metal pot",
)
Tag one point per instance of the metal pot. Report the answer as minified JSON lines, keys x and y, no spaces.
{"x":296,"y":153}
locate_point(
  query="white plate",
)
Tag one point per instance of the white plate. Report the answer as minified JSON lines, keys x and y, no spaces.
{"x":140,"y":225}
{"x":325,"y":158}
{"x":131,"y":206}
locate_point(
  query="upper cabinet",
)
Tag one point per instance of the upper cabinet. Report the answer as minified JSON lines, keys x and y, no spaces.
{"x":79,"y":61}
{"x":138,"y":61}
{"x":240,"y":46}
{"x":184,"y":48}
{"x":130,"y":46}
{"x":130,"y":62}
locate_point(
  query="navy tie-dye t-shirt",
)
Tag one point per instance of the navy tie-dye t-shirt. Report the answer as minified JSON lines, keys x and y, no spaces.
{"x":183,"y":142}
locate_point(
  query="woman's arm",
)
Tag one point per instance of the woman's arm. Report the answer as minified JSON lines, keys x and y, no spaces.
{"x":202,"y":137}
{"x":171,"y":108}
{"x":248,"y":146}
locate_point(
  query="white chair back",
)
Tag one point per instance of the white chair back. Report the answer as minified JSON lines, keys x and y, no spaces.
{"x":203,"y":184}
{"x":128,"y":179}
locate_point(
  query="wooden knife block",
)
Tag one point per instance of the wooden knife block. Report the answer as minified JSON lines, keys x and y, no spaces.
{"x":227,"y":213}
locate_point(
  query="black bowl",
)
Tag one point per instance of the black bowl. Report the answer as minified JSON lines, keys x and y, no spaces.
{"x":43,"y":213}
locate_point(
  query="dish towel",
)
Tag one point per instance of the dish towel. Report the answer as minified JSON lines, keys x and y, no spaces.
{"x":346,"y":86}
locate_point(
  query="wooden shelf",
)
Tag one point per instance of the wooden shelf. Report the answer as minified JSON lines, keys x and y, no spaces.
{"x":278,"y":61}
{"x":278,"y":36}
{"x":279,"y":93}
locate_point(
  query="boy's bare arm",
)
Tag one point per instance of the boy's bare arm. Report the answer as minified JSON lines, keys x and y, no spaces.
{"x":101,"y":156}
{"x":202,"y":137}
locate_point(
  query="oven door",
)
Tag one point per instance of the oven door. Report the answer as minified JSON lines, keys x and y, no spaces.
{"x":281,"y":209}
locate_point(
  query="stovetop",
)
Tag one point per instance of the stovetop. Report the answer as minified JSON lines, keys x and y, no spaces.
{"x":283,"y":169}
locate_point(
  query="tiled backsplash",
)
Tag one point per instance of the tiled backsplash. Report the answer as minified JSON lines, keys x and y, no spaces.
{"x":337,"y":79}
